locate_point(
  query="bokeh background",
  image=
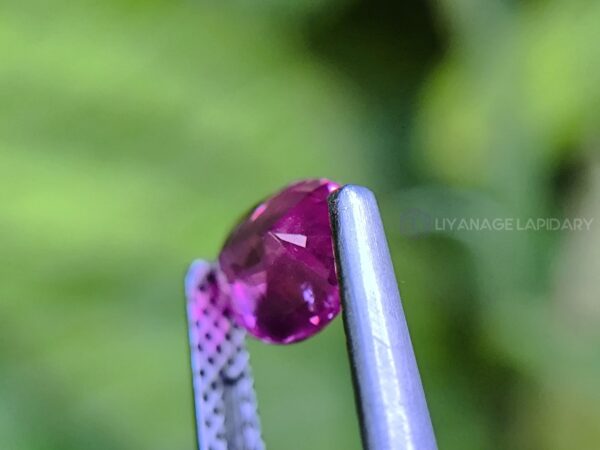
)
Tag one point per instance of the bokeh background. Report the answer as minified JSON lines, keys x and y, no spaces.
{"x":134,"y":133}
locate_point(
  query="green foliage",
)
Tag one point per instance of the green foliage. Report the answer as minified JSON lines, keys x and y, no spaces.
{"x":133,"y":134}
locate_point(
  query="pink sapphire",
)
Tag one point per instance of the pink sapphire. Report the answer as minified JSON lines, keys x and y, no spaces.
{"x":280,"y":266}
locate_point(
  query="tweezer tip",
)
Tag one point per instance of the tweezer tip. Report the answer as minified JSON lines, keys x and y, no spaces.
{"x":348,"y":195}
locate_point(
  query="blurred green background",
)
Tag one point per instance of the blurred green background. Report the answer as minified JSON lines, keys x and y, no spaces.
{"x":134,"y":133}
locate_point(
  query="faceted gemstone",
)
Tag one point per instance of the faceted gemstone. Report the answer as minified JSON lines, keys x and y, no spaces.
{"x":280,"y":267}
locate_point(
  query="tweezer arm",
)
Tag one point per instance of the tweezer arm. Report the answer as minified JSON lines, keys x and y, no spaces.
{"x":391,"y":402}
{"x":224,"y":398}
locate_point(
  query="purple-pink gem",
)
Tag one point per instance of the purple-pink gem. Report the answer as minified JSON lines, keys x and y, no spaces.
{"x":280,"y":266}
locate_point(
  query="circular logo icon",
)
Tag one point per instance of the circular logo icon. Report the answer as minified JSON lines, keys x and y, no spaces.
{"x":414,"y":221}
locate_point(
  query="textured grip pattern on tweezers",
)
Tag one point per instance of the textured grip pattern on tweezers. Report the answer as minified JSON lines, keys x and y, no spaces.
{"x":225,"y":402}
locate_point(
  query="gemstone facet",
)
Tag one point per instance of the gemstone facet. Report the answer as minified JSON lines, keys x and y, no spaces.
{"x":280,"y":267}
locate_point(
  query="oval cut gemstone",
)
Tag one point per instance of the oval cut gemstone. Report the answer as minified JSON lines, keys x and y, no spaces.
{"x":280,"y":266}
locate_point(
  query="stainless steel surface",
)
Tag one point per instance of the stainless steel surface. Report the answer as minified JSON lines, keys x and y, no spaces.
{"x":224,"y":398}
{"x":390,"y":398}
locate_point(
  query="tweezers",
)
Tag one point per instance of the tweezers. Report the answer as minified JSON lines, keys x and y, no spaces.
{"x":390,"y":400}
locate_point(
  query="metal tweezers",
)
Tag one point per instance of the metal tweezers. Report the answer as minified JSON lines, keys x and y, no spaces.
{"x":391,"y":404}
